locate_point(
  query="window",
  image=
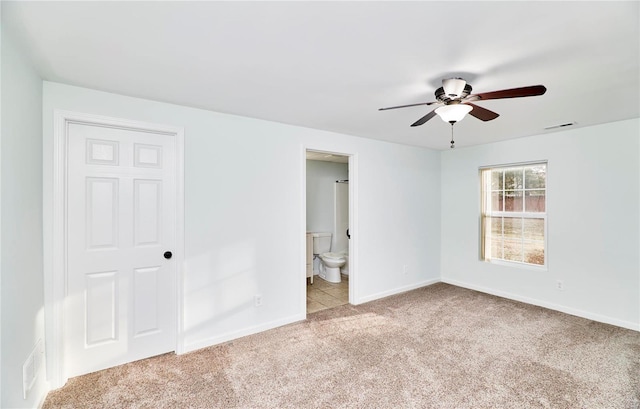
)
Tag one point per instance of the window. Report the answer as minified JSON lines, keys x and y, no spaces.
{"x":513,"y":216}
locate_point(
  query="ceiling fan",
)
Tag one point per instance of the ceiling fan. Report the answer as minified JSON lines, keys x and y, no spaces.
{"x":457,"y":101}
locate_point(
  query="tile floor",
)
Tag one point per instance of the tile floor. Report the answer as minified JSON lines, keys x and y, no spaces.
{"x":323,"y":294}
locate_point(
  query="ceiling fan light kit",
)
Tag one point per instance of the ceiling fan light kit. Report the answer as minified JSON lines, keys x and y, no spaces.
{"x":456,"y":100}
{"x":453,"y":113}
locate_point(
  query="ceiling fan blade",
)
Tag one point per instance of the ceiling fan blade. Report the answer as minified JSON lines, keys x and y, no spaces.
{"x":531,"y":91}
{"x":410,"y":105}
{"x":424,"y":118}
{"x":482,"y":114}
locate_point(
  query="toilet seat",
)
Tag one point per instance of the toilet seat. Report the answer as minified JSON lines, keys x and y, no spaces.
{"x":332,"y":256}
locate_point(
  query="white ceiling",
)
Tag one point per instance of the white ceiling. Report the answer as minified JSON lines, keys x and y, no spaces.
{"x":331,"y":65}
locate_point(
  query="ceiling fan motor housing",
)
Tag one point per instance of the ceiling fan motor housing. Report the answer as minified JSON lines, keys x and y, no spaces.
{"x":443,"y":97}
{"x":453,"y":86}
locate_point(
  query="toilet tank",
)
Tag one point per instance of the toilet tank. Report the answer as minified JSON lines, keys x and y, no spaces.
{"x":321,"y":243}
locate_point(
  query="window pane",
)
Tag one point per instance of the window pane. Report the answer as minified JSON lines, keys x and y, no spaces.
{"x":496,"y":180}
{"x":496,"y":247}
{"x":513,"y":250}
{"x":496,"y":228}
{"x":534,"y":252}
{"x":534,"y":229}
{"x":513,"y":228}
{"x":513,"y":201}
{"x":496,"y":201}
{"x":513,"y":179}
{"x":535,"y":176}
{"x":534,"y":201}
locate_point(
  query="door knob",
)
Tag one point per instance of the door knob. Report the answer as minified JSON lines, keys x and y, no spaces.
{"x":167,"y":255}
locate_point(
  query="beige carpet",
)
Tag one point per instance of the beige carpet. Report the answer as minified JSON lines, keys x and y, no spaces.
{"x":436,"y":347}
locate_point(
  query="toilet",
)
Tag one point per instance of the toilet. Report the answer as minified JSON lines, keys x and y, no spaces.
{"x":330,"y":262}
{"x":344,"y":270}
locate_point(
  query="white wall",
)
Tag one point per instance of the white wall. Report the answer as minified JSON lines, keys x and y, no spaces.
{"x":593,"y":206}
{"x":244,"y":211}
{"x":399,"y":217}
{"x":321,"y":178}
{"x":22,"y":299}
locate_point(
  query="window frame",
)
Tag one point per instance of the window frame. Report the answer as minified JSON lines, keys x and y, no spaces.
{"x":485,"y":196}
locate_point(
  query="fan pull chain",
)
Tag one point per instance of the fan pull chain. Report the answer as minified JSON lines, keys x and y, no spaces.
{"x":452,"y":142}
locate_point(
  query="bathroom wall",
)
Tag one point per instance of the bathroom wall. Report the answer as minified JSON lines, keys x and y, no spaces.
{"x":321,"y":178}
{"x":340,"y":241}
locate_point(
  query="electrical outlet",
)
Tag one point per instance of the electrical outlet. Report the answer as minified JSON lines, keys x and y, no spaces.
{"x":257,"y":299}
{"x":560,"y":285}
{"x":405,"y":269}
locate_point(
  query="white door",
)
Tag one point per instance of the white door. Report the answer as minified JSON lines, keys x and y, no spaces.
{"x":121,"y":212}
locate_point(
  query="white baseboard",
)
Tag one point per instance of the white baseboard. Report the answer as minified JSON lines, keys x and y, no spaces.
{"x":373,"y":297}
{"x":241,"y":333}
{"x":546,"y":304}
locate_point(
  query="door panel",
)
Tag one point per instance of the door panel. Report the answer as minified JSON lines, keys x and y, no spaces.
{"x":101,"y":308}
{"x":102,"y":213}
{"x":121,"y":202}
{"x":148,"y":211}
{"x":146,"y":298}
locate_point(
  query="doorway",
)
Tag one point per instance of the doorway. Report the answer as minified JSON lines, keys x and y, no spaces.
{"x":328,"y":220}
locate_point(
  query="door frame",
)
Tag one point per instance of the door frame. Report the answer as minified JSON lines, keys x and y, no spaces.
{"x":353,"y":224}
{"x":55,"y":243}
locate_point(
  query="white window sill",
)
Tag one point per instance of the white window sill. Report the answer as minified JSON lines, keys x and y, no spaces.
{"x":516,"y":264}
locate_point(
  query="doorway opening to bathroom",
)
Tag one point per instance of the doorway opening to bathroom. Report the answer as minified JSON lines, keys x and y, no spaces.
{"x":329,"y":226}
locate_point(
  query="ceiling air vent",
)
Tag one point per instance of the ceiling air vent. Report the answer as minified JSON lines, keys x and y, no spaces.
{"x":559,"y":126}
